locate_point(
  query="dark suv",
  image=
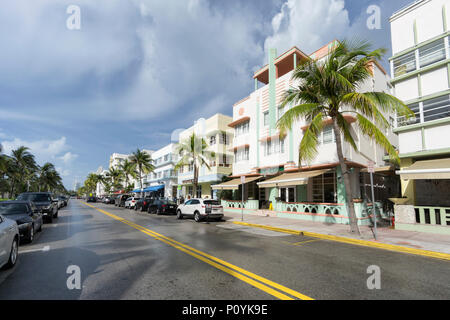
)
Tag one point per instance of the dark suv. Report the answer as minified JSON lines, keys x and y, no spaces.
{"x":43,"y":201}
{"x":162,"y":206}
{"x":143,"y":203}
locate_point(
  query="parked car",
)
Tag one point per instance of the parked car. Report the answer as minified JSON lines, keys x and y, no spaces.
{"x":200,"y":209}
{"x":60,"y":201}
{"x":120,"y":200}
{"x":43,"y":201}
{"x":143,"y":203}
{"x":66,"y":200}
{"x":130,"y":202}
{"x":27,"y":216}
{"x":91,"y":199}
{"x":9,"y":242}
{"x":162,"y":206}
{"x":107,"y":200}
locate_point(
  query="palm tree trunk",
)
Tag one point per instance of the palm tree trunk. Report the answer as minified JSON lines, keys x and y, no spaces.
{"x":344,"y":172}
{"x":195,"y":182}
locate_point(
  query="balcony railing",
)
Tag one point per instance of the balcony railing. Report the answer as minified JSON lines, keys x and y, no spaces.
{"x":439,"y":216}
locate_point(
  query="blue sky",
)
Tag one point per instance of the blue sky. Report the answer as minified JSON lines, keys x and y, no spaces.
{"x":138,"y":70}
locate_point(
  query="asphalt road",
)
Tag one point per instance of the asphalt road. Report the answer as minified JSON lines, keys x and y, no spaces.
{"x":123,"y":254}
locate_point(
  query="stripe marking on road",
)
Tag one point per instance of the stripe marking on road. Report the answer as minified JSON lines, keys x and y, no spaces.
{"x":259,"y":282}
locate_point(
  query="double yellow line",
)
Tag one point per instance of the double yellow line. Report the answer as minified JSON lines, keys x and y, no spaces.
{"x":277,"y":290}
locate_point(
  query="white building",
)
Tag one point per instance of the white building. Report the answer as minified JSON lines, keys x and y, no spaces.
{"x":420,"y":68}
{"x":163,"y":181}
{"x":100,"y":190}
{"x":261,"y":155}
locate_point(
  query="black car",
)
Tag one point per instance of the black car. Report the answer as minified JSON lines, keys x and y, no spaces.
{"x":143,"y":203}
{"x":91,"y":199}
{"x":44,"y":202}
{"x":107,"y":200}
{"x":162,"y":206}
{"x":26,"y":214}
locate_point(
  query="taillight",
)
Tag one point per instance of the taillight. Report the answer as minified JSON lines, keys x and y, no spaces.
{"x":133,"y":201}
{"x":163,"y":206}
{"x":145,"y":203}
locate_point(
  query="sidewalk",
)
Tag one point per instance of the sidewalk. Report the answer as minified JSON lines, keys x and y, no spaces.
{"x":414,"y":240}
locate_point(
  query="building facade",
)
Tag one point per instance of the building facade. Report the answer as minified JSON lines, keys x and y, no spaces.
{"x":275,"y":179}
{"x":219,"y":137}
{"x":163,"y":181}
{"x":420,"y":69}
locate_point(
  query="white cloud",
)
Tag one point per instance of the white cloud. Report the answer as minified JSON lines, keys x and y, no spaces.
{"x":307,"y":24}
{"x":68,"y":157}
{"x":44,"y":150}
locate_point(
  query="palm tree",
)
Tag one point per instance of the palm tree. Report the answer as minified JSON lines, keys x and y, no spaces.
{"x":24,"y":163}
{"x":329,"y":90}
{"x":115,"y":175}
{"x":128,"y":170}
{"x":48,"y":177}
{"x":142,"y":161}
{"x":193,"y":151}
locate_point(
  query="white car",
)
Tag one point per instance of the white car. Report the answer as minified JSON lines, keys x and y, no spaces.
{"x":131,"y":202}
{"x":9,"y":242}
{"x":200,"y":209}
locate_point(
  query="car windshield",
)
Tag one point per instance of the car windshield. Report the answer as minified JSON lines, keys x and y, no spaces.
{"x":165,"y":201}
{"x":40,"y":197}
{"x":13,"y":208}
{"x":211,"y":202}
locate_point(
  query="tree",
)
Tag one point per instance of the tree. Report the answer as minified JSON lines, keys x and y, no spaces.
{"x":116,"y":176}
{"x":329,"y":90}
{"x":24,"y":164}
{"x":193,"y":151}
{"x":128,"y":170}
{"x":142,"y":161}
{"x":48,"y":177}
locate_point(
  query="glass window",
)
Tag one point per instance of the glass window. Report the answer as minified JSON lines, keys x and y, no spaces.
{"x":436,"y":108}
{"x":241,"y":155}
{"x":402,"y":121}
{"x":212,"y":140}
{"x":241,"y":128}
{"x":34,"y":197}
{"x":405,"y":64}
{"x":328,"y":135}
{"x":223,"y":138}
{"x":324,"y":188}
{"x":13,"y":208}
{"x":266,"y":118}
{"x":432,"y":53}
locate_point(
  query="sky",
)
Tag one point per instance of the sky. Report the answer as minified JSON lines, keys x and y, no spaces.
{"x":136,"y":70}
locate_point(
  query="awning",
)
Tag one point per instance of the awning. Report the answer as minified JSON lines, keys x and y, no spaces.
{"x":233,"y":184}
{"x":154,"y":188}
{"x":427,"y":169}
{"x":136,"y":190}
{"x":291,"y":179}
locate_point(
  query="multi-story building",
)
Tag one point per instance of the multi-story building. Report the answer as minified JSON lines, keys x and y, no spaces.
{"x":270,"y":163}
{"x":163,"y":181}
{"x":100,"y":189}
{"x":219,"y":137}
{"x":420,"y":69}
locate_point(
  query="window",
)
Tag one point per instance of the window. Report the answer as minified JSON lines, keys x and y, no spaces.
{"x":432,"y":53}
{"x":402,"y":121}
{"x":405,"y":64}
{"x":166,"y":158}
{"x":242,"y":128}
{"x":223,"y":161}
{"x":223,"y":138}
{"x":241,"y":155}
{"x":273,"y":147}
{"x":266,"y":118}
{"x":212,"y":140}
{"x":191,"y":167}
{"x":328,"y":135}
{"x":436,"y":108}
{"x":324,"y":188}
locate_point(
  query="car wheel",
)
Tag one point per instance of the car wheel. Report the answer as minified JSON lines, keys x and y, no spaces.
{"x":50,"y":219}
{"x":135,"y":208}
{"x":14,"y":254}
{"x":158,"y":212}
{"x":179,"y":215}
{"x":148,"y":209}
{"x":197,"y":216}
{"x":31,"y":234}
{"x":142,"y":209}
{"x":56,"y":214}
{"x":40,"y":226}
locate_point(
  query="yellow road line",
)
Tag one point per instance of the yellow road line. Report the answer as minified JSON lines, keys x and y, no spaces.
{"x":302,"y":242}
{"x":366,"y":243}
{"x":229,"y":268}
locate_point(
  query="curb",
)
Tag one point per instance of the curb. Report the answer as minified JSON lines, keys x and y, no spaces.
{"x":366,"y":243}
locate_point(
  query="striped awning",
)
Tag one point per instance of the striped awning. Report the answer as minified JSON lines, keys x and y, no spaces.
{"x":291,"y":179}
{"x":233,"y":184}
{"x":427,"y":169}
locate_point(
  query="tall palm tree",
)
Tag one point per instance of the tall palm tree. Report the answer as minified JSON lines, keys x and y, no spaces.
{"x":142,"y":161}
{"x":128,"y":170}
{"x":24,"y":163}
{"x":48,"y":177}
{"x":115,"y":175}
{"x":330,"y":90}
{"x":193,"y":151}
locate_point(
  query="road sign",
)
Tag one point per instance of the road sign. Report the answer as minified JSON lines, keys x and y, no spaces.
{"x":371,"y":167}
{"x":242,"y":179}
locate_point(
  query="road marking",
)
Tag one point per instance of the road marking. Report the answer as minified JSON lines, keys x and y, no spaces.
{"x":222,"y":265}
{"x":365,"y":243}
{"x":44,"y":249}
{"x":302,"y":242}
